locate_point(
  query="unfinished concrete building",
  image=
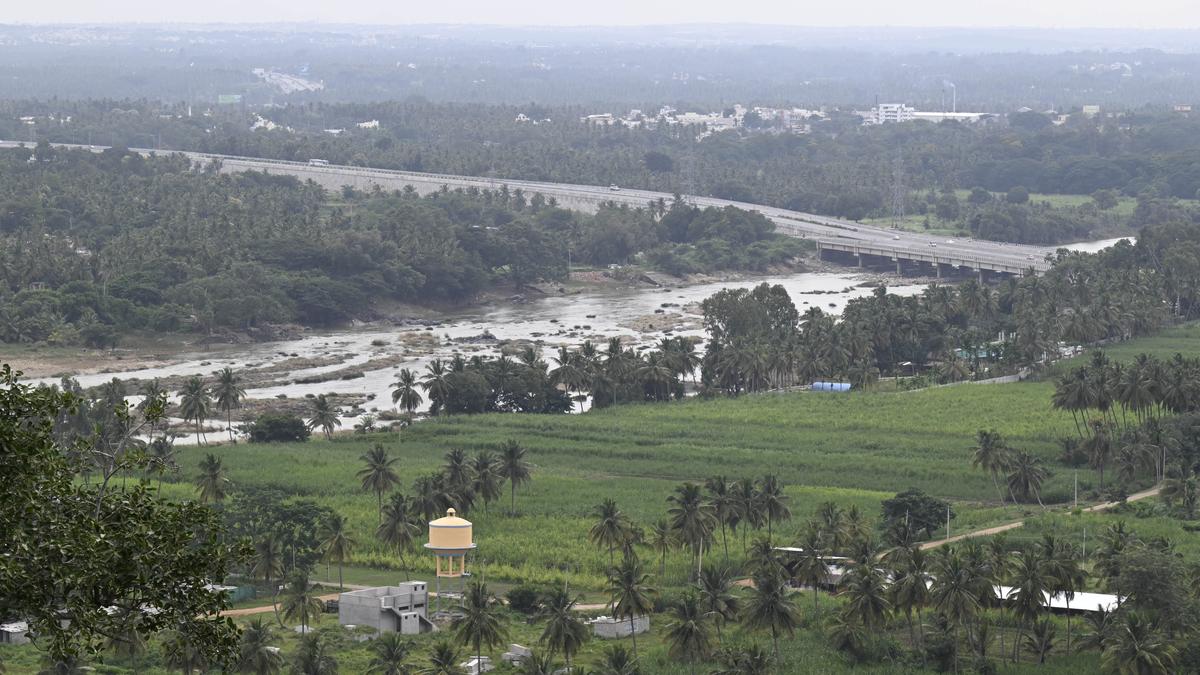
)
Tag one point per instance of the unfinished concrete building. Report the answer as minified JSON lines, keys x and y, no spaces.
{"x":388,"y":609}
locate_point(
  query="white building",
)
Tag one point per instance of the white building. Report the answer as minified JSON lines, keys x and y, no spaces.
{"x":888,"y":113}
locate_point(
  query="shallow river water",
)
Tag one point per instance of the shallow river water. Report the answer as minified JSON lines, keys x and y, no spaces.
{"x":549,"y":321}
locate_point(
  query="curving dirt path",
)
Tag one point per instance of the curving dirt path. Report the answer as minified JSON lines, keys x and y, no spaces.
{"x":1021,"y":523}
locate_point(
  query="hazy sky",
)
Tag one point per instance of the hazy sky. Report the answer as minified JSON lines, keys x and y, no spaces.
{"x":973,"y":13}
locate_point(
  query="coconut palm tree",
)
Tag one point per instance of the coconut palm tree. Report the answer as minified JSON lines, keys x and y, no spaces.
{"x":268,"y":558}
{"x":956,"y":588}
{"x":1040,"y":640}
{"x":228,"y":395}
{"x":692,"y":518}
{"x":618,"y":661}
{"x":399,"y":527}
{"x":324,"y":415}
{"x":992,"y":455}
{"x":564,"y":633}
{"x":769,"y":607}
{"x":717,"y":598}
{"x":255,"y":654}
{"x":632,"y":593}
{"x":195,"y":404}
{"x":514,"y":469}
{"x":377,"y":475}
{"x":865,"y":591}
{"x":480,"y":621}
{"x":443,"y":660}
{"x":773,"y":501}
{"x":389,"y":655}
{"x":404,"y":391}
{"x":811,"y":569}
{"x":909,"y":590}
{"x":723,"y":505}
{"x":300,"y":601}
{"x":313,"y":656}
{"x":486,"y":481}
{"x":1137,"y":647}
{"x":538,"y":663}
{"x":747,"y":511}
{"x":335,"y":542}
{"x":1025,"y":476}
{"x":436,"y":384}
{"x":663,"y":540}
{"x":1184,"y":492}
{"x":847,"y":635}
{"x":609,"y":529}
{"x":1031,"y":580}
{"x":212,"y":483}
{"x":689,"y":635}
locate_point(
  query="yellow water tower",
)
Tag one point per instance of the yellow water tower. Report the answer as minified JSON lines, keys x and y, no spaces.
{"x":450,"y":538}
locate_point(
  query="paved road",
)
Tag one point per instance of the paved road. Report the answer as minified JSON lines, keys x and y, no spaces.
{"x":823,"y":229}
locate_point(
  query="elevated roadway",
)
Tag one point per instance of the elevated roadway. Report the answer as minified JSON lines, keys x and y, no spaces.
{"x":846,"y":241}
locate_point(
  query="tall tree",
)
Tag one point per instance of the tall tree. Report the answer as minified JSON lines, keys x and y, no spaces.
{"x":769,"y":607}
{"x":255,"y":654}
{"x":300,"y":601}
{"x":228,"y":394}
{"x":389,"y":655}
{"x":335,"y":542}
{"x":400,"y":526}
{"x":479,"y":623}
{"x":213,"y":481}
{"x":324,"y":415}
{"x":515,"y":469}
{"x":195,"y":404}
{"x":377,"y":475}
{"x":404,"y":391}
{"x":632,"y":593}
{"x":564,"y":633}
{"x":689,"y":635}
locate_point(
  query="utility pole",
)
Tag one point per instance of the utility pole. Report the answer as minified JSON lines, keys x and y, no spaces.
{"x":898,"y":190}
{"x":1076,"y":504}
{"x":947,"y":521}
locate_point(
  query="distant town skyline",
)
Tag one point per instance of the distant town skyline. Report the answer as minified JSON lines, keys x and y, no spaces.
{"x":1174,"y":14}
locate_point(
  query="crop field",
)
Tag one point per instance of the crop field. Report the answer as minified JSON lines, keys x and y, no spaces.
{"x":1182,"y":339}
{"x":855,"y":448}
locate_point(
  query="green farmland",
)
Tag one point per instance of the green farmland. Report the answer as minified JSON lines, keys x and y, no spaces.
{"x":856,"y":448}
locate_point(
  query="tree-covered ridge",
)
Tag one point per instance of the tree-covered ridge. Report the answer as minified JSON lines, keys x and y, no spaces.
{"x":94,"y":244}
{"x":840,"y":169}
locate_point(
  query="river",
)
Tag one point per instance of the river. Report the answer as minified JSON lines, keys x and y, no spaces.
{"x":547,"y":321}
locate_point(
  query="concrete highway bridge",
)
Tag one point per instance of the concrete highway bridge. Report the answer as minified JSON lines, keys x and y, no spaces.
{"x":837,"y":240}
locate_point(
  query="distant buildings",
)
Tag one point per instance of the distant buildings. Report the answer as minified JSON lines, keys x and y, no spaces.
{"x":759,"y":119}
{"x":891,"y":113}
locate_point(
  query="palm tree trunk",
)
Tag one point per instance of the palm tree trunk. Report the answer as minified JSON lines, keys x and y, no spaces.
{"x":341,"y":586}
{"x":775,"y":641}
{"x":633,"y":634}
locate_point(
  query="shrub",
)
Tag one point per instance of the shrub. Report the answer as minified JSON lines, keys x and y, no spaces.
{"x":523,"y":599}
{"x":274,"y":427}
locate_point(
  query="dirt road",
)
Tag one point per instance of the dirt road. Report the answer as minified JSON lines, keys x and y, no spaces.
{"x":988,"y":531}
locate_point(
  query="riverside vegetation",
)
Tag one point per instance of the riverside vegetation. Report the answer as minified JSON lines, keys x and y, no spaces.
{"x":641,"y":481}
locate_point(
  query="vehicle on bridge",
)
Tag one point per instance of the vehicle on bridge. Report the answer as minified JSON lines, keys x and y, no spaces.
{"x":614,"y":187}
{"x":318,"y":162}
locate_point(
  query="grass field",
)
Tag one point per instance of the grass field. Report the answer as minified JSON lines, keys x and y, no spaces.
{"x":1182,"y":339}
{"x":858,"y":448}
{"x":853,"y":449}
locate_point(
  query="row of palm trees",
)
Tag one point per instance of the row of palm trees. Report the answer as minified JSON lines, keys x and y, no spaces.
{"x":958,"y":584}
{"x":697,"y":514}
{"x":1022,"y":472}
{"x":607,"y":376}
